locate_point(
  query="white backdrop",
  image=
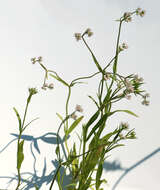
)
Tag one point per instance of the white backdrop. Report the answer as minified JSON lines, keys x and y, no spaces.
{"x":46,"y":28}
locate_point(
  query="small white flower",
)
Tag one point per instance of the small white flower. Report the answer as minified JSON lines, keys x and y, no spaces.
{"x":43,"y":88}
{"x":128,"y":97}
{"x":78,"y":108}
{"x":45,"y":85}
{"x":33,"y":60}
{"x":39,"y":59}
{"x":138,"y":10}
{"x":147,"y":95}
{"x":127,"y":17}
{"x":107,"y":76}
{"x":89,"y":32}
{"x":124,"y":125}
{"x":124,"y":46}
{"x":78,"y":36}
{"x":51,"y":86}
{"x":145,"y":102}
{"x":129,"y":86}
{"x":142,"y":13}
{"x":74,"y":116}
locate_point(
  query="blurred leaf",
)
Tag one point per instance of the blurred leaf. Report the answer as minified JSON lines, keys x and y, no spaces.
{"x":94,"y":101}
{"x":74,"y":124}
{"x":126,"y":111}
{"x":96,"y":62}
{"x":99,"y":123}
{"x":98,"y":176}
{"x":36,"y":146}
{"x":92,"y":119}
{"x":19,"y":119}
{"x":20,"y":155}
{"x":59,"y":181}
{"x":118,"y":145}
{"x":60,"y":117}
{"x":59,"y":79}
{"x":57,"y":151}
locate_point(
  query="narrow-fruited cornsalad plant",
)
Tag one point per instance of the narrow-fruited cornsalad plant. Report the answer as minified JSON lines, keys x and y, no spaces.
{"x":84,"y":160}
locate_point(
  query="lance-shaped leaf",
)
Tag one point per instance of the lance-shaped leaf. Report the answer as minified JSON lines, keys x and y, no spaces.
{"x":59,"y":79}
{"x":92,"y":119}
{"x":20,"y":155}
{"x":99,"y":123}
{"x":96,"y":62}
{"x":60,"y":117}
{"x":98,"y":175}
{"x":74,"y":125}
{"x":19,"y":119}
{"x":126,"y":111}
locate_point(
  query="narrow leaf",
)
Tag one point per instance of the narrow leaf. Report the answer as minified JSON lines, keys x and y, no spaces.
{"x":20,"y":156}
{"x":74,"y":124}
{"x":18,"y":117}
{"x":59,"y":79}
{"x":126,"y":111}
{"x":96,"y":62}
{"x":92,"y":119}
{"x":98,"y":176}
{"x":60,"y":117}
{"x":99,"y":123}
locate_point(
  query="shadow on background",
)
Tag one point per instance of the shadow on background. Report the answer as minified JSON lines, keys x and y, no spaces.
{"x":30,"y":179}
{"x":134,"y":166}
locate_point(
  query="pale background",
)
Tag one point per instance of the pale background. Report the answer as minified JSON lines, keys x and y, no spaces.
{"x":46,"y":28}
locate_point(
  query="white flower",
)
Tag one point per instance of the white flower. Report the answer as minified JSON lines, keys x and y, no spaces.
{"x":142,"y":13}
{"x":107,"y":76}
{"x":78,"y":36}
{"x":147,"y":95}
{"x":137,"y":78}
{"x":43,"y":88}
{"x":128,"y":97}
{"x":78,"y":108}
{"x":124,"y":125}
{"x":124,"y":46}
{"x":129,"y":86}
{"x":51,"y":86}
{"x":145,"y":102}
{"x":33,"y":60}
{"x":39,"y":59}
{"x":89,"y":32}
{"x":74,"y":116}
{"x":127,"y":17}
{"x":138,"y":10}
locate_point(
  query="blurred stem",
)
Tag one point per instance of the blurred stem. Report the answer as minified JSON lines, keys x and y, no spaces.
{"x":66,"y":126}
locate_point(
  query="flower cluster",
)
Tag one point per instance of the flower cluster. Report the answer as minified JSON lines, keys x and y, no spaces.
{"x":145,"y":101}
{"x":32,"y":91}
{"x":45,"y":86}
{"x":122,"y":47}
{"x":127,"y":17}
{"x":140,"y":12}
{"x":77,"y":108}
{"x":34,"y":60}
{"x":78,"y":36}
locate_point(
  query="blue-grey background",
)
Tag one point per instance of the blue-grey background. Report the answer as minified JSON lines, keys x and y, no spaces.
{"x":46,"y":28}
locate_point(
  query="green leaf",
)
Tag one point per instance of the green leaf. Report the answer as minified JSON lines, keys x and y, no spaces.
{"x":99,"y":123}
{"x":94,"y":101}
{"x":29,"y":123}
{"x":57,"y":150}
{"x":60,"y":117}
{"x":92,"y":119}
{"x":20,"y":155}
{"x":74,"y":124}
{"x":98,"y":176}
{"x":59,"y":79}
{"x":59,"y":181}
{"x":96,"y":62}
{"x":19,"y":119}
{"x":118,"y":145}
{"x":126,"y":111}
